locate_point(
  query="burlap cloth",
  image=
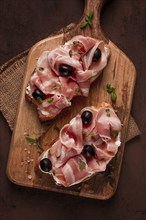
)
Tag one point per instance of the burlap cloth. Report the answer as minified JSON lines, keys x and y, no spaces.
{"x":11,"y":78}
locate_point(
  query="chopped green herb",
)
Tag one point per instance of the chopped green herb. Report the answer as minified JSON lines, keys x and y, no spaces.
{"x":50,"y":100}
{"x":82,"y":165}
{"x":83,"y":25}
{"x":70,"y":53}
{"x":87,"y":18}
{"x":35,"y":141}
{"x":90,"y":23}
{"x":77,"y":91}
{"x":39,"y":100}
{"x":113,"y":96}
{"x":75,"y":43}
{"x":109,"y":88}
{"x":54,"y":86}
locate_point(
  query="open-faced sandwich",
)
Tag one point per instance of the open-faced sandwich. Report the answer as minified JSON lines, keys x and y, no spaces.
{"x":85,"y":146}
{"x":65,"y":72}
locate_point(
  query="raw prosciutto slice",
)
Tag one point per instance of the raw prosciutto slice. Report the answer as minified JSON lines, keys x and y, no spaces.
{"x":76,"y":57}
{"x":70,"y":162}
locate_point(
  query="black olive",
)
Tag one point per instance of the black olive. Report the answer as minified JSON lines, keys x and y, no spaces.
{"x":38,"y":93}
{"x":88,"y":151}
{"x":46,"y":165}
{"x":65,"y":70}
{"x":97,"y":55}
{"x":86,"y":117}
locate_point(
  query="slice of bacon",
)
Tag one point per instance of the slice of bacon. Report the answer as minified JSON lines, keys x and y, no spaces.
{"x":69,"y":164}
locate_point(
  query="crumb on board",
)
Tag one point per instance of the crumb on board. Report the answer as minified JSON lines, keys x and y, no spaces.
{"x":29,"y":177}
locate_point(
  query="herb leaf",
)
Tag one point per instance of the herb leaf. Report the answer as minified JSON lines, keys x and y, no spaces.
{"x":35,"y":141}
{"x":50,"y":100}
{"x":87,"y":18}
{"x":70,"y":53}
{"x":111,"y":90}
{"x":83,"y":24}
{"x":90,"y":23}
{"x":87,"y":21}
{"x":77,"y":91}
{"x":39,"y":100}
{"x":75,"y":43}
{"x":82,"y":165}
{"x":113,"y":96}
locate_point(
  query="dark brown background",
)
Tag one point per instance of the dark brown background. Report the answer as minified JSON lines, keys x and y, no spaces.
{"x":22,"y":23}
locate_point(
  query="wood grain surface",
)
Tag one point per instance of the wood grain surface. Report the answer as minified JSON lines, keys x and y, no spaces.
{"x":120,"y":73}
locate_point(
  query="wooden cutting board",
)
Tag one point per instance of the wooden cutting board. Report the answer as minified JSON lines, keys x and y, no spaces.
{"x":120,"y":73}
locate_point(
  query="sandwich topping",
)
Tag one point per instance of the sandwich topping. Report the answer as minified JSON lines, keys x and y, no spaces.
{"x":83,"y":149}
{"x":65,"y":72}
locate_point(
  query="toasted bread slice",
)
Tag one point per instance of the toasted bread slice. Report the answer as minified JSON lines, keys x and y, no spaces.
{"x":64,"y":73}
{"x":85,"y":146}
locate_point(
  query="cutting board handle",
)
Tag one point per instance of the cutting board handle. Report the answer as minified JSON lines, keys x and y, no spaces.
{"x":94,"y":6}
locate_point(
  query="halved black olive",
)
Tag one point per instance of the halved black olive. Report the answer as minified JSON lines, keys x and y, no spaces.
{"x":38,"y":94}
{"x":97,"y":55}
{"x":65,"y":70}
{"x":88,"y":151}
{"x":46,"y":165}
{"x":86,"y":117}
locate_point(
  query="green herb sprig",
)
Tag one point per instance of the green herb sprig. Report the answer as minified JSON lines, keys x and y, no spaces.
{"x":50,"y":100}
{"x":75,"y":43}
{"x":82,"y":165}
{"x":88,"y":21}
{"x":111,"y":90}
{"x":70,"y":53}
{"x":35,"y":141}
{"x":39,"y":100}
{"x":77,"y":90}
